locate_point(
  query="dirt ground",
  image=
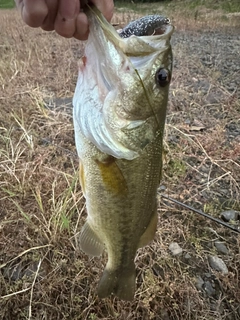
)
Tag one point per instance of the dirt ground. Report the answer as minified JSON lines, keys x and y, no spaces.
{"x":42,"y":275}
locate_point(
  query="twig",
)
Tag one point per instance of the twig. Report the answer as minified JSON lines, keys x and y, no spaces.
{"x":235,"y":229}
{"x":24,"y":252}
{"x":31,"y":294}
{"x":15,"y":293}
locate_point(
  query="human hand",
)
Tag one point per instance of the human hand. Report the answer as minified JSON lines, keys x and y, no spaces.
{"x":63,"y":16}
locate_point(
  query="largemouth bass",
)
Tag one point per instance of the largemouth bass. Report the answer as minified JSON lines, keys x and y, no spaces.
{"x":119,"y":114}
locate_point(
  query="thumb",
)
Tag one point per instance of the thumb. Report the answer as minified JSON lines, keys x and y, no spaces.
{"x":106,"y":7}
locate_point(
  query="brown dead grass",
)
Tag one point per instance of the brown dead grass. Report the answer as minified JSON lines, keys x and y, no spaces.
{"x":42,"y":275}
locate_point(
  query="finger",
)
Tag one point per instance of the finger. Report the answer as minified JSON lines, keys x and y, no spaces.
{"x":82,"y":26}
{"x":106,"y":7}
{"x":48,"y":23}
{"x":65,"y":22}
{"x":81,"y":32}
{"x":33,"y":12}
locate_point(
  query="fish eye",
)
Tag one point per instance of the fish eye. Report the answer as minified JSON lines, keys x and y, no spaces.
{"x":163,"y":77}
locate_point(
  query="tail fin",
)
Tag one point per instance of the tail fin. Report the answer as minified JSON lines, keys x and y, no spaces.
{"x":119,"y":282}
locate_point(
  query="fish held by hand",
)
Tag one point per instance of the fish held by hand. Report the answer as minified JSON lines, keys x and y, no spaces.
{"x":119,"y":113}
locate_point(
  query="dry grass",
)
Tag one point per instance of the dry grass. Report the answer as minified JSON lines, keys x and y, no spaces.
{"x":42,"y":276}
{"x":187,"y":14}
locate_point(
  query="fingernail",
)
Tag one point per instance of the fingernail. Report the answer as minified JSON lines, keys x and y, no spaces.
{"x":68,"y":9}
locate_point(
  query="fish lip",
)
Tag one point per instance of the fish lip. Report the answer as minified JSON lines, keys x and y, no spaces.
{"x":157,"y":38}
{"x":169,"y":30}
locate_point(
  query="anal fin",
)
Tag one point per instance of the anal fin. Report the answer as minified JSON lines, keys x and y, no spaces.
{"x":89,"y":241}
{"x":149,"y":233}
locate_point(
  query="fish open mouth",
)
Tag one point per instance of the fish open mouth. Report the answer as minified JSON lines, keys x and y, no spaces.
{"x":131,"y":48}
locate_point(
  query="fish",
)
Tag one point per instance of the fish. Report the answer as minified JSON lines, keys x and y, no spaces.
{"x":119,"y":110}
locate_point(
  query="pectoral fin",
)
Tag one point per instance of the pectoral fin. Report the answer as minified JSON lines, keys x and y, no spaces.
{"x":112,"y":177}
{"x":89,"y":241}
{"x":149,"y":233}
